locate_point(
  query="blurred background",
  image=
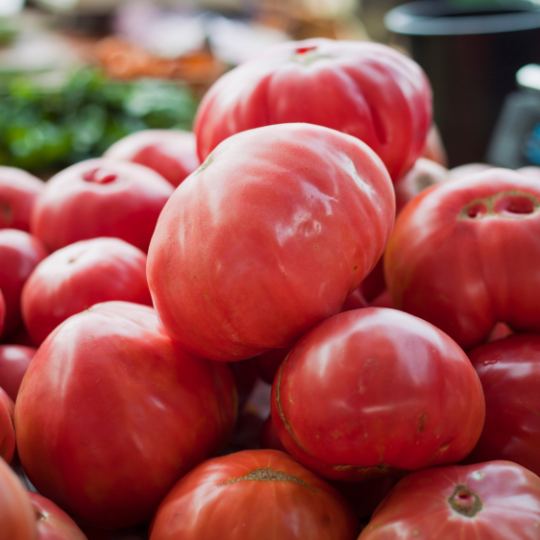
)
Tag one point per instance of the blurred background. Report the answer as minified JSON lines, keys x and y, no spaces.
{"x":77,"y":75}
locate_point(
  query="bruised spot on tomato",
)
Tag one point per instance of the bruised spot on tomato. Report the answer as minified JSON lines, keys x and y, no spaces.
{"x":465,"y":502}
{"x":421,"y":422}
{"x":268,"y":475}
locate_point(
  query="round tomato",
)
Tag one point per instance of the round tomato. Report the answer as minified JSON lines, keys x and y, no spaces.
{"x":20,"y":252}
{"x":376,"y":392}
{"x":17,"y":521}
{"x":2,"y":312}
{"x":171,"y":153}
{"x":111,"y":414}
{"x":7,"y":433}
{"x":509,"y":370}
{"x":273,"y":497}
{"x":368,"y":90}
{"x":464,"y":171}
{"x":497,"y":500}
{"x":78,"y":276}
{"x":52,"y":522}
{"x":461,"y":256}
{"x":18,"y":192}
{"x":14,"y":361}
{"x":100,"y":197}
{"x":291,"y":217}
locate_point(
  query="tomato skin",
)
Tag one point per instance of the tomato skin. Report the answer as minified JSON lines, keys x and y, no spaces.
{"x":7,"y":432}
{"x":270,"y":438}
{"x":294,"y":504}
{"x":20,"y":252}
{"x":78,"y":276}
{"x":17,"y":521}
{"x":304,"y":213}
{"x":367,"y":90}
{"x":52,"y":522}
{"x":398,"y":395}
{"x":509,"y":370}
{"x":434,"y":149}
{"x":171,"y":153}
{"x":18,"y":192}
{"x":422,"y":505}
{"x":464,"y":274}
{"x":14,"y":361}
{"x":2,"y":312}
{"x":100,"y":197}
{"x":130,"y":414}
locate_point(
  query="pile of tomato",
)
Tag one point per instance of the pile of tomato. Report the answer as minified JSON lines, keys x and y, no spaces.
{"x":307,"y":234}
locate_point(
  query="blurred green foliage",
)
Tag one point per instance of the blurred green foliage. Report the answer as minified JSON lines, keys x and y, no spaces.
{"x":43,"y":130}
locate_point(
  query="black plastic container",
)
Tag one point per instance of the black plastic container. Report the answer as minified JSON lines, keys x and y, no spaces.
{"x":471,"y":55}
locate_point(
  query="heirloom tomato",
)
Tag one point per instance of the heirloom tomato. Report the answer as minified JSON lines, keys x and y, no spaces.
{"x":78,"y":276}
{"x":274,"y":498}
{"x":376,"y":392}
{"x":171,"y":153}
{"x":100,"y":197}
{"x":7,"y":433}
{"x":464,"y":171}
{"x":18,"y":192}
{"x":2,"y":312}
{"x":461,"y":256}
{"x":368,"y":90}
{"x":267,"y":238}
{"x":17,"y":521}
{"x":111,"y":414}
{"x":497,"y":500}
{"x":434,"y":149}
{"x":20,"y":252}
{"x":509,"y":370}
{"x":14,"y":361}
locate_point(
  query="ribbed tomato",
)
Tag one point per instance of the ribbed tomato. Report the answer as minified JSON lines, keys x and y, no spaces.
{"x":7,"y":432}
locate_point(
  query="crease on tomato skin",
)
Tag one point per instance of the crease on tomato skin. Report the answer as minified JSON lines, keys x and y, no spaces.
{"x":268,"y":475}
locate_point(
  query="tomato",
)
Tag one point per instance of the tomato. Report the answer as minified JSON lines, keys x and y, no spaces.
{"x":14,"y":361}
{"x":424,"y":174}
{"x":17,"y":520}
{"x":18,"y":192}
{"x":78,"y":276}
{"x":531,"y":172}
{"x":20,"y":252}
{"x":131,"y":533}
{"x":2,"y":312}
{"x":464,"y":171}
{"x":269,"y":436}
{"x":245,"y":376}
{"x":273,"y":497}
{"x":368,"y":90}
{"x":171,"y":153}
{"x":434,"y":149}
{"x":52,"y":522}
{"x":100,"y":197}
{"x":376,"y":392}
{"x":497,"y":500}
{"x":461,"y":256}
{"x":509,"y":370}
{"x":268,"y":363}
{"x":372,"y":285}
{"x":292,"y":218}
{"x":383,"y":300}
{"x":7,"y":433}
{"x":111,"y":414}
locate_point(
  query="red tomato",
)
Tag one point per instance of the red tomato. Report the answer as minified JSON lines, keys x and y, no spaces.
{"x":14,"y":361}
{"x":270,"y":438}
{"x":292,"y":218}
{"x":2,"y":312}
{"x":78,"y":276}
{"x":126,"y":416}
{"x":383,"y":300}
{"x":20,"y":252}
{"x":171,"y":153}
{"x":461,"y":256}
{"x":273,"y":498}
{"x":372,"y":285}
{"x":368,"y":90}
{"x":375,"y":392}
{"x":434,"y":149}
{"x":52,"y":522}
{"x":100,"y":197}
{"x":500,"y":330}
{"x":464,"y":171}
{"x":17,"y":521}
{"x":492,"y":501}
{"x":18,"y":192}
{"x":131,"y":533}
{"x":509,"y":370}
{"x":268,"y":363}
{"x":7,"y":433}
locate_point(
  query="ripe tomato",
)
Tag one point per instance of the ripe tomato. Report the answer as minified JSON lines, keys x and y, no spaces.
{"x":20,"y":252}
{"x":7,"y":433}
{"x":497,"y":500}
{"x":17,"y":521}
{"x":126,"y":416}
{"x":14,"y":361}
{"x":375,"y":392}
{"x":78,"y":276}
{"x":171,"y":153}
{"x":434,"y":149}
{"x":370,"y":91}
{"x":292,"y":218}
{"x":2,"y":312}
{"x":52,"y":522}
{"x":100,"y":197}
{"x":274,"y":498}
{"x":509,"y":370}
{"x":18,"y":192}
{"x":461,"y":256}
{"x":270,"y":438}
{"x":268,"y":363}
{"x":464,"y":171}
